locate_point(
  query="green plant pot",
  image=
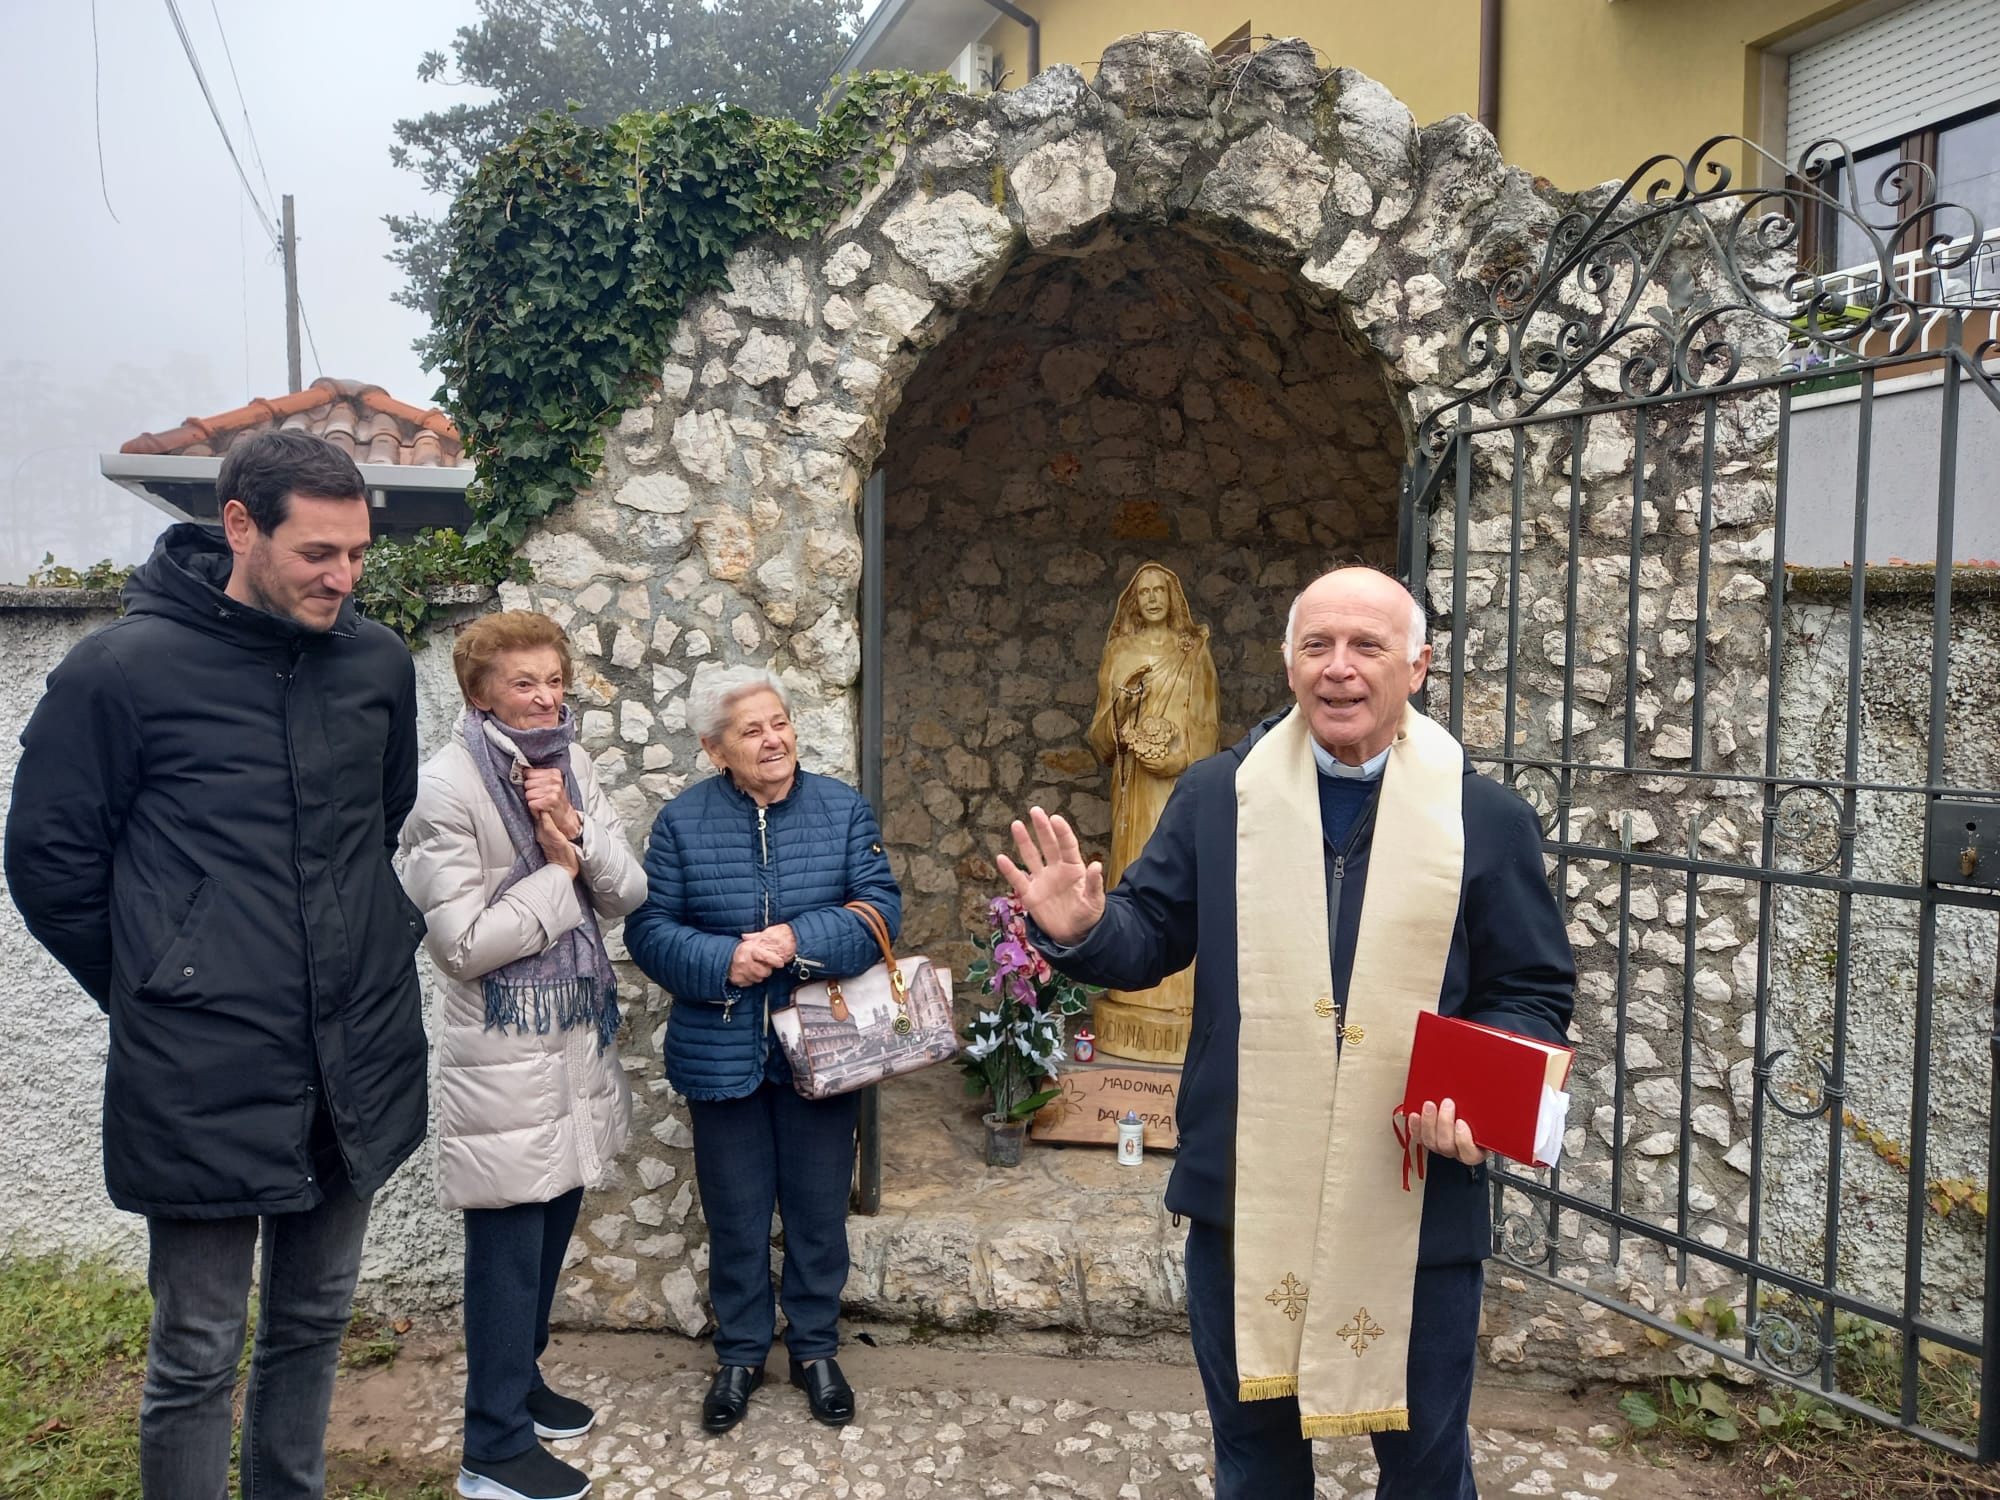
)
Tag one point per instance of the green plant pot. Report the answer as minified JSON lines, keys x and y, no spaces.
{"x":1004,"y":1141}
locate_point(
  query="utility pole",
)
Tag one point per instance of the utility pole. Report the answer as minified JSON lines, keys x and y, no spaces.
{"x":292,"y":367}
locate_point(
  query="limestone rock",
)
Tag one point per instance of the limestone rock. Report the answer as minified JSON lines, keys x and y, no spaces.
{"x":957,"y":241}
{"x":894,"y":311}
{"x":1057,"y":92}
{"x":764,"y":357}
{"x":766,"y":286}
{"x":1272,"y":183}
{"x":704,"y":443}
{"x":1064,"y":188}
{"x":683,"y":1299}
{"x":1158,"y":73}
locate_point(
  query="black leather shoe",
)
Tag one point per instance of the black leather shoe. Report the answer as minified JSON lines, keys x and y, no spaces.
{"x":729,"y":1396}
{"x":827,"y":1391}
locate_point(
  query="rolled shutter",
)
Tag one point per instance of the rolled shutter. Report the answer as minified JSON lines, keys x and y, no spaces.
{"x":1918,"y":64}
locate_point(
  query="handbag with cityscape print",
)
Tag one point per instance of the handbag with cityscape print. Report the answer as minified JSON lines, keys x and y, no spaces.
{"x":844,"y":1034}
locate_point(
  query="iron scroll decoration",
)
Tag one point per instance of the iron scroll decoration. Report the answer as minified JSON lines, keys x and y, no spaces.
{"x":1538,"y":337}
{"x":1786,"y":1344}
{"x":1522,"y":1238}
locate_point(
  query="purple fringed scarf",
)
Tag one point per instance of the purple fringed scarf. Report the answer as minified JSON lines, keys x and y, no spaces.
{"x":572,"y":984}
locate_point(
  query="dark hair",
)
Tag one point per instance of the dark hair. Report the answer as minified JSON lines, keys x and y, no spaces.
{"x":266,"y":469}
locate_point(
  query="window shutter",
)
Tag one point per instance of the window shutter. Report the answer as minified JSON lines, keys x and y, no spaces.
{"x":1921,"y":63}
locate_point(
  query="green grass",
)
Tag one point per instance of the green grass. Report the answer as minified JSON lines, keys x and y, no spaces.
{"x":72,"y":1359}
{"x":72,"y":1354}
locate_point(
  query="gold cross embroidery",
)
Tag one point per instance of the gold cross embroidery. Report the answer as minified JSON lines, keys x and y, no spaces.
{"x":1361,"y":1331}
{"x":1323,"y":1008}
{"x":1289,"y":1297}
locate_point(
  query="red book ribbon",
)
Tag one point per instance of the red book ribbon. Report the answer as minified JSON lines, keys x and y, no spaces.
{"x":1400,"y":1123}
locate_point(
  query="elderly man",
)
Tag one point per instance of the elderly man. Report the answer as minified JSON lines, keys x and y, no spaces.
{"x":1324,"y":1298}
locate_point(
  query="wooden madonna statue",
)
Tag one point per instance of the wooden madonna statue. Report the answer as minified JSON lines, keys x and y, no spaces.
{"x":1155,"y":717}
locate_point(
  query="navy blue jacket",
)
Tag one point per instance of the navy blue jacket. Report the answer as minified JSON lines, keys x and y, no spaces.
{"x":1510,"y":966}
{"x":718,"y":866}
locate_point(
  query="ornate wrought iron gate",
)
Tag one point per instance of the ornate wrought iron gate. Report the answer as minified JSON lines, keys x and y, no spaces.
{"x":1780,"y":873}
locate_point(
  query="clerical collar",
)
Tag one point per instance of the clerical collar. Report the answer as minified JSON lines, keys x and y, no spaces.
{"x":1368,"y":770}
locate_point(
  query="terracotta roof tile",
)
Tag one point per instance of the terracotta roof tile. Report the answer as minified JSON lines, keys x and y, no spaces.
{"x":362,"y":420}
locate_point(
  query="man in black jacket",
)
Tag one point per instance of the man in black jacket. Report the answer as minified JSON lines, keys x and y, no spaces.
{"x":1354,"y":653}
{"x":201,"y":829}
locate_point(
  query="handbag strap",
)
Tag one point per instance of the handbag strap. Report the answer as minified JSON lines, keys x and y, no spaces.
{"x":877,"y":929}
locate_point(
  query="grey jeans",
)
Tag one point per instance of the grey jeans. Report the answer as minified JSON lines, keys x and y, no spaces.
{"x":199,"y":1273}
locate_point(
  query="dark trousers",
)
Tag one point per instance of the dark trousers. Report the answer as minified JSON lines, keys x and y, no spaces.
{"x":1259,"y":1454}
{"x":513,"y":1257}
{"x":199,"y":1273}
{"x":775,"y":1149}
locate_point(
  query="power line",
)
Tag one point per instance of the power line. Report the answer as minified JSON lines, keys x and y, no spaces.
{"x":97,"y":112}
{"x":249,"y":130}
{"x":187,"y":46}
{"x":311,"y":343}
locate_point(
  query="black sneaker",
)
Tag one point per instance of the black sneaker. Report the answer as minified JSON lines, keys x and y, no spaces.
{"x":558,"y":1416}
{"x":536,"y":1475}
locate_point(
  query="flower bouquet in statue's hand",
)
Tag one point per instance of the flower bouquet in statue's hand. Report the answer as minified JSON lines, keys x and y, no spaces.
{"x":1014,"y":1047}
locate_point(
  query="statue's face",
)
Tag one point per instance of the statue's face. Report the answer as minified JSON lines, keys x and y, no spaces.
{"x":1154,"y":597}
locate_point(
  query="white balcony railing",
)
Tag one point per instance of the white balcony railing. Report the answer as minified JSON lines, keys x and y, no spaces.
{"x":1929,"y":294}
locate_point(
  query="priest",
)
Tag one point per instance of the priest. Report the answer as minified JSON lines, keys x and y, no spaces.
{"x":1338,"y":871}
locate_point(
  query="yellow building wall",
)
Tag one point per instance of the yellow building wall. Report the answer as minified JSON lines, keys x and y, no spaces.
{"x":1588,"y":88}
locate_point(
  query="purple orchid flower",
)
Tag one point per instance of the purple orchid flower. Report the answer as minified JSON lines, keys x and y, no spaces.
{"x":1011,"y":956}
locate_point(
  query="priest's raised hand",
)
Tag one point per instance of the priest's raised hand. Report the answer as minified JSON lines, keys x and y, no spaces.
{"x":1064,"y":895}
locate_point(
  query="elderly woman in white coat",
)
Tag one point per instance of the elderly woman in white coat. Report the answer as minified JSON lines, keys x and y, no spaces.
{"x":519,"y":863}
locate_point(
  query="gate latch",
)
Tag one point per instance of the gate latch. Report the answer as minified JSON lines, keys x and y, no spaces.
{"x":1964,"y":844}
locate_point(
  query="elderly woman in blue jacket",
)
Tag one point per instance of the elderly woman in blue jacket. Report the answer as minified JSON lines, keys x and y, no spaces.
{"x":747,"y":874}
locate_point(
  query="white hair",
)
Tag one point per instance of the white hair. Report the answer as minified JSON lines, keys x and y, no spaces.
{"x":1419,"y":626}
{"x":714,"y":694}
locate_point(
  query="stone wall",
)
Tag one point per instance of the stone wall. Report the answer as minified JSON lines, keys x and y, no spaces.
{"x":1158,"y":399}
{"x":1275,"y":266}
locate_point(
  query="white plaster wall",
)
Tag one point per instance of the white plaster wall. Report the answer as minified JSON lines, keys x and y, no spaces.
{"x":52,"y":1035}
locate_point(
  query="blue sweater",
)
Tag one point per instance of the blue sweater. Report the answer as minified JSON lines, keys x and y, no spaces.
{"x":717,"y":867}
{"x":1510,"y":966}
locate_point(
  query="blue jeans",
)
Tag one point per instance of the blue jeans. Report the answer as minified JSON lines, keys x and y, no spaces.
{"x":199,"y":1272}
{"x":513,"y":1258}
{"x":1259,"y":1454}
{"x":775,"y":1149}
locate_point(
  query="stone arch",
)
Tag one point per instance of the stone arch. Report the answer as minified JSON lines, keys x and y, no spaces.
{"x":723,"y":526}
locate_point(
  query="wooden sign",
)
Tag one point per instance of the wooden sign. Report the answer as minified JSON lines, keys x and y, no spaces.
{"x":1095,"y":1096}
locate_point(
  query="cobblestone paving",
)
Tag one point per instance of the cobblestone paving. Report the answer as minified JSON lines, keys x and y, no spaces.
{"x":930,"y":1428}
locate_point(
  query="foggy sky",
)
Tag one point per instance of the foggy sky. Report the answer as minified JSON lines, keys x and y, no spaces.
{"x":109,"y":329}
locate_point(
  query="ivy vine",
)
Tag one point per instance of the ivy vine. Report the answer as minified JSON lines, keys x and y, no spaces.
{"x":574,"y":250}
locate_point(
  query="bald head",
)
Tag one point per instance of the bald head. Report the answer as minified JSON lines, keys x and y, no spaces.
{"x":1341,"y":579}
{"x":1354,"y":653}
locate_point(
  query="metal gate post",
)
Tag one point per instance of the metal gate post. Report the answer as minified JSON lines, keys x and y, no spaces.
{"x":1989,"y":1362}
{"x":868,"y":1128}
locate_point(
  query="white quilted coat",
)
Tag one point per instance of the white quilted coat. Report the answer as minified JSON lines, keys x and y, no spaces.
{"x":522,"y":1117}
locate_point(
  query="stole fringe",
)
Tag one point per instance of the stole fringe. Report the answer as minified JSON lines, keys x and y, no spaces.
{"x":557,"y":1006}
{"x":1356,"y":1423}
{"x":1267,"y":1387}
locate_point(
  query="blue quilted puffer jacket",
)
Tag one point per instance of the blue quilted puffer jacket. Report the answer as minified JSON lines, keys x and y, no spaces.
{"x":718,"y":866}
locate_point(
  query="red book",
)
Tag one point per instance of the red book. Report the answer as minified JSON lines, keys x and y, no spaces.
{"x":1508,"y":1088}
